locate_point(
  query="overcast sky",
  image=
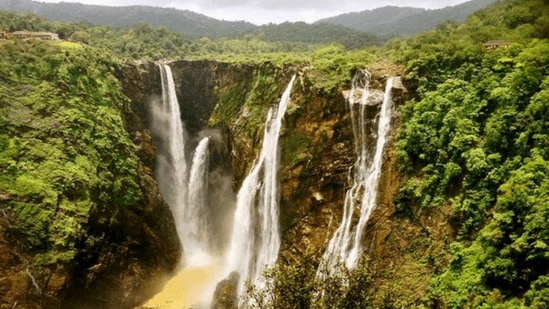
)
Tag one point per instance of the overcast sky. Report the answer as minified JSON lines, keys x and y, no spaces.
{"x":272,"y":11}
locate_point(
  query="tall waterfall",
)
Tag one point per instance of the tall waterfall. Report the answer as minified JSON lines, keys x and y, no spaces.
{"x":184,"y":190}
{"x":345,"y":246}
{"x":255,"y":238}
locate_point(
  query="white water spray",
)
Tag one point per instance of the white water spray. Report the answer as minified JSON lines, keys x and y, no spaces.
{"x":171,"y":167}
{"x":184,"y":190}
{"x":196,"y":214}
{"x":345,"y":246}
{"x":255,"y":238}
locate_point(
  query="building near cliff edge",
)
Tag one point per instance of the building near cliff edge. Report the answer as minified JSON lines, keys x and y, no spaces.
{"x":490,"y":45}
{"x":37,"y":35}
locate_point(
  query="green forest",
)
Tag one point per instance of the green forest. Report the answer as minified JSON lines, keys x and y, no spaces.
{"x":475,"y":140}
{"x":473,"y":143}
{"x":63,"y":145}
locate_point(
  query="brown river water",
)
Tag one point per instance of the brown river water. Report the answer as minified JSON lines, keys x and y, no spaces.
{"x":191,"y":287}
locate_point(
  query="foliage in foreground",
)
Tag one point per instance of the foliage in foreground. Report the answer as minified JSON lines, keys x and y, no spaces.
{"x":298,"y":286}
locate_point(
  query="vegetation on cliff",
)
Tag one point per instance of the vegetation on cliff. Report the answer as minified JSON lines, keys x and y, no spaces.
{"x":70,"y":178}
{"x":64,"y":150}
{"x":475,"y":139}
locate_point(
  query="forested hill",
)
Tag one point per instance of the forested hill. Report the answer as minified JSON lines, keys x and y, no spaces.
{"x":405,"y":21}
{"x":192,"y":25}
{"x":187,"y":23}
{"x":353,"y":30}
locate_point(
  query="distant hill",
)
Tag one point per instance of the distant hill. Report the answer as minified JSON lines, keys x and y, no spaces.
{"x":187,"y":23}
{"x":316,"y":34}
{"x":354,"y":30}
{"x":405,"y":21}
{"x":191,"y":25}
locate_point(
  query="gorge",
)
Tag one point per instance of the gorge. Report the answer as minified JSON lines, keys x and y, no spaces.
{"x":254,"y":236}
{"x":101,"y":154}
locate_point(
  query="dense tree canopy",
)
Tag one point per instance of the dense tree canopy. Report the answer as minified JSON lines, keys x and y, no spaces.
{"x":476,"y":138}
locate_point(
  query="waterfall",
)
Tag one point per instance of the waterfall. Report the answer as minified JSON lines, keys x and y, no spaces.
{"x":183,"y":190}
{"x":171,"y":166}
{"x":255,"y":238}
{"x":197,"y":238}
{"x":345,"y":247}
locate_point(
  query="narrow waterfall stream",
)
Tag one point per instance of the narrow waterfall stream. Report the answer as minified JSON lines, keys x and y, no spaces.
{"x":255,"y":238}
{"x":196,"y":244}
{"x":345,"y":247}
{"x":171,"y":162}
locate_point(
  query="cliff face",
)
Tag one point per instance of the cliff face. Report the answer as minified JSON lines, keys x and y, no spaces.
{"x":82,"y":224}
{"x":142,"y":244}
{"x":122,"y":248}
{"x":316,"y":172}
{"x":316,"y":142}
{"x":317,"y":152}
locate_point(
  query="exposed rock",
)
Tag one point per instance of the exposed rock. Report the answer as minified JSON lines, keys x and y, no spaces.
{"x":195,"y":83}
{"x":138,"y":244}
{"x":375,"y":96}
{"x":225,"y":296}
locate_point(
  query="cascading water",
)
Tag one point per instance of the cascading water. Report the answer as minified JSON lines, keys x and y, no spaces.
{"x":255,"y":238}
{"x":184,"y":190}
{"x":196,"y":213}
{"x":184,"y":185}
{"x":345,"y":246}
{"x":171,"y":167}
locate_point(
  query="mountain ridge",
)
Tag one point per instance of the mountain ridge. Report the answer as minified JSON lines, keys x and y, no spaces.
{"x":385,"y":21}
{"x":405,"y":21}
{"x":185,"y":22}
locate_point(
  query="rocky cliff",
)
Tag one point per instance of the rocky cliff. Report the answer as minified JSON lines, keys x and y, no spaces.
{"x":317,"y":142}
{"x":317,"y":151}
{"x":122,"y":248}
{"x":82,"y":224}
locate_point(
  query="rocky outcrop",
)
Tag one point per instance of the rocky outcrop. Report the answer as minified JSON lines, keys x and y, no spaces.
{"x":138,"y":244}
{"x":195,"y":83}
{"x":225,"y":296}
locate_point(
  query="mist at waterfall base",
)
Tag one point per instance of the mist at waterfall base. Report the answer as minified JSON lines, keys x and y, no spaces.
{"x":201,"y":200}
{"x":220,"y":232}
